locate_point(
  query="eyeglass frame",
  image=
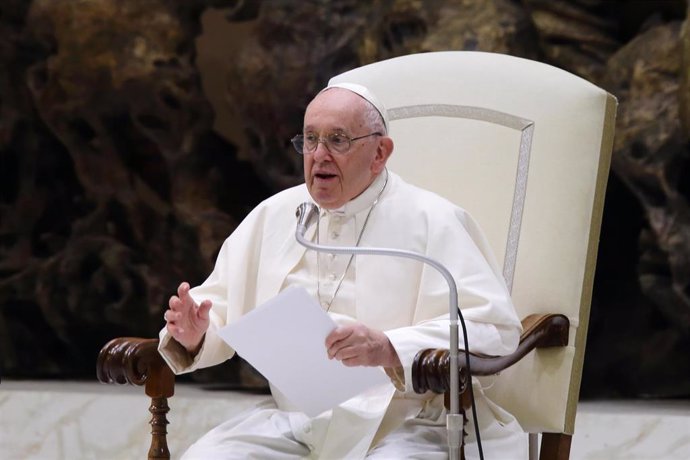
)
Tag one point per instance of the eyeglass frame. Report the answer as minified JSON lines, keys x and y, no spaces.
{"x":325,"y":142}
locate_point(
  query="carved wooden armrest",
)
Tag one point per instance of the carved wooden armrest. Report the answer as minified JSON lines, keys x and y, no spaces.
{"x":431,"y":367}
{"x":135,"y":361}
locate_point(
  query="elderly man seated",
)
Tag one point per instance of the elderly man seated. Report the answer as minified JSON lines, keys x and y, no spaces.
{"x":387,"y":309}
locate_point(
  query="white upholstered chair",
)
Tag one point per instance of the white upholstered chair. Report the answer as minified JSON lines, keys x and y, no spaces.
{"x":525,"y":148}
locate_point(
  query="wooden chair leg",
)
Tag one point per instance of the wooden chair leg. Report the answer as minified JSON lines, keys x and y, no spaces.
{"x":160,"y":385}
{"x":159,"y":442}
{"x":555,"y":446}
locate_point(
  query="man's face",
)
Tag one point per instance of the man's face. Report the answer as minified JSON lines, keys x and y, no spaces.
{"x":334,"y":179}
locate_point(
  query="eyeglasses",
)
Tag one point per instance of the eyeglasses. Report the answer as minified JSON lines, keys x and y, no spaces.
{"x":337,"y":143}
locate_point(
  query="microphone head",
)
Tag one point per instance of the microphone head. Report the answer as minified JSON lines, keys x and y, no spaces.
{"x":306,"y":215}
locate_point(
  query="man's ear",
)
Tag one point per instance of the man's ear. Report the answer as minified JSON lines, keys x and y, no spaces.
{"x":383,"y":152}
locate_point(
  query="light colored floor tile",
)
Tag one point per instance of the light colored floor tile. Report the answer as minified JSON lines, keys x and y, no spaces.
{"x":79,"y":420}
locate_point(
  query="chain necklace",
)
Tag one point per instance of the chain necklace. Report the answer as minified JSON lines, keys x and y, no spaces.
{"x":349,"y":262}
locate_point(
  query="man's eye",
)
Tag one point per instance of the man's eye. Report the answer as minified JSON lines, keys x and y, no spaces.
{"x":311,"y":138}
{"x":337,"y":139}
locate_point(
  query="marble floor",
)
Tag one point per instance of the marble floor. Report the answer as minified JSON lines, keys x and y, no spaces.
{"x":77,"y":420}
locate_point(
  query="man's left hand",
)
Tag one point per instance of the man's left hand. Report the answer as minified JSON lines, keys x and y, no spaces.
{"x":358,"y":345}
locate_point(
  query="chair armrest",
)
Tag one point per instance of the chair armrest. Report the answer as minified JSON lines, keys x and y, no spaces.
{"x":431,"y":367}
{"x":136,"y":361}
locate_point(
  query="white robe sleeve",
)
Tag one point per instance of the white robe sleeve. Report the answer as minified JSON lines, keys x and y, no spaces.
{"x":492,"y":324}
{"x":230,"y":287}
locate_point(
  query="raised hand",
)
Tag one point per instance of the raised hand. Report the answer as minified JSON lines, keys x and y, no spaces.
{"x":358,"y":345}
{"x":186,"y":321}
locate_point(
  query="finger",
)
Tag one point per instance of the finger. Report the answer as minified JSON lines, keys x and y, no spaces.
{"x":174,"y":303}
{"x":352,"y":362}
{"x":342,"y":349}
{"x":347,"y":352}
{"x":188,"y":302}
{"x":334,"y":348}
{"x":183,"y":289}
{"x":337,"y":334}
{"x":183,"y":292}
{"x":171,"y":316}
{"x":174,"y":330}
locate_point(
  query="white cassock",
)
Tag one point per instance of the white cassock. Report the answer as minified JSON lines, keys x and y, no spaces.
{"x":406,"y":299}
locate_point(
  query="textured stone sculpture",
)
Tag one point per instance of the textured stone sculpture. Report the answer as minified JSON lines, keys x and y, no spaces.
{"x":122,"y":188}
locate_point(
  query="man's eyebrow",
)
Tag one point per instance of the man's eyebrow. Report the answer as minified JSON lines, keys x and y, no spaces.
{"x":336,"y":130}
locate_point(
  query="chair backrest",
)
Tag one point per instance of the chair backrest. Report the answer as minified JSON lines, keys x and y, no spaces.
{"x":525,"y":148}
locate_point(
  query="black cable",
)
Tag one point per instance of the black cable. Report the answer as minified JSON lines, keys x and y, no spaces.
{"x":469,"y":372}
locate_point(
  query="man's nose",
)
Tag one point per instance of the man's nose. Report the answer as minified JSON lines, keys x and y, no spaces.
{"x":321,"y":152}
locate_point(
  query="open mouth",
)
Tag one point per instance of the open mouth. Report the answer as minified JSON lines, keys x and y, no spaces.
{"x":324,"y":176}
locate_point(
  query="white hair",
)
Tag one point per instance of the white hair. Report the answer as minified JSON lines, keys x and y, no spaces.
{"x":373,"y":118}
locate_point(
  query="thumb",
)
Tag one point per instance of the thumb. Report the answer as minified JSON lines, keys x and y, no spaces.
{"x":204,"y":308}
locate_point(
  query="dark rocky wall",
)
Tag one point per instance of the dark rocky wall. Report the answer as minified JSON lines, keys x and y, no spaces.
{"x":117,"y":181}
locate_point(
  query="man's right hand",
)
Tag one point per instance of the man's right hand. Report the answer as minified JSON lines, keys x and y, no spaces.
{"x":186,"y":321}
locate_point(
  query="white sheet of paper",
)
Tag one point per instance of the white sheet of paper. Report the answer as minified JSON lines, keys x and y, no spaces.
{"x":284,"y":339}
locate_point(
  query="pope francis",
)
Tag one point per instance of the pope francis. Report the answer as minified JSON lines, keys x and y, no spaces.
{"x":387,"y":309}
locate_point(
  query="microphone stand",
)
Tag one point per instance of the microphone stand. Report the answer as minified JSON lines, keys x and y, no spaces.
{"x":306,"y":212}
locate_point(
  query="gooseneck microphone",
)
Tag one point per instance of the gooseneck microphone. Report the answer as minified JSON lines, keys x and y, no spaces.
{"x":307,"y":213}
